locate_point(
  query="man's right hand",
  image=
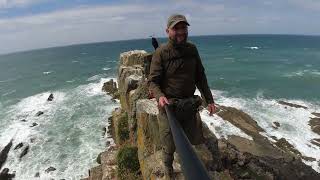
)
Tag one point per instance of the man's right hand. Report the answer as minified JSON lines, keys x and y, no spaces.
{"x":163,"y":101}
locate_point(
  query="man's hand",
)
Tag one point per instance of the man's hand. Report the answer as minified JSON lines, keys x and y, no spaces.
{"x":211,"y":109}
{"x":163,"y":101}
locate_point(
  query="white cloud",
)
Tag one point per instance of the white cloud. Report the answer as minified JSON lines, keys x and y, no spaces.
{"x":117,"y":22}
{"x":17,"y":3}
{"x":307,"y":4}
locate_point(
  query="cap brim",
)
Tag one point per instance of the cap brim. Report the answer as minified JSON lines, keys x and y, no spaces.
{"x":173,"y":24}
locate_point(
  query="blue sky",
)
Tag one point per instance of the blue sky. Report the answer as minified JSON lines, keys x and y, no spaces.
{"x":32,"y":24}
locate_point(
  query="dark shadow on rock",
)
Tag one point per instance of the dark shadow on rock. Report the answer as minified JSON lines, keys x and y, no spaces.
{"x":39,"y":113}
{"x":292,"y":105}
{"x":5,"y":175}
{"x":24,"y":152}
{"x":18,"y":146}
{"x":50,"y":169}
{"x":4,"y":153}
{"x":50,"y":98}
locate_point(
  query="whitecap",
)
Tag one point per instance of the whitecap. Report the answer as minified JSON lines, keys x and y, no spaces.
{"x":8,"y":93}
{"x":301,"y":73}
{"x":252,"y":47}
{"x":47,"y":72}
{"x":106,"y":68}
{"x":75,"y":61}
{"x":94,"y":78}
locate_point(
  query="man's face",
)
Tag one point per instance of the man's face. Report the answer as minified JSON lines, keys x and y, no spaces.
{"x":178,"y":33}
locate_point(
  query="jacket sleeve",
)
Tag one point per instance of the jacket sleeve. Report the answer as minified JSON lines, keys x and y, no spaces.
{"x":156,"y":75}
{"x":201,"y":80}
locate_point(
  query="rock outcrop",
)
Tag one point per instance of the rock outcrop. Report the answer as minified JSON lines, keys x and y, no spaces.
{"x":134,"y":127}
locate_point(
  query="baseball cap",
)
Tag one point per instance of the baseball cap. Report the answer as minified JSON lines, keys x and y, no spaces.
{"x":175,"y":19}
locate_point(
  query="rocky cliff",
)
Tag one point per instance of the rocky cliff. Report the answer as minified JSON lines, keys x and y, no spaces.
{"x":136,"y":152}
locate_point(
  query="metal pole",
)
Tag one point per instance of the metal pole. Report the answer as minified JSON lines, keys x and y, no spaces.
{"x":192,"y":167}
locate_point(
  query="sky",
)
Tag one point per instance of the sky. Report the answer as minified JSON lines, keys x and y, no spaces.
{"x":34,"y":24}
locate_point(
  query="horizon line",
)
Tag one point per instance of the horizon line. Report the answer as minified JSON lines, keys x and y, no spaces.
{"x":160,"y":37}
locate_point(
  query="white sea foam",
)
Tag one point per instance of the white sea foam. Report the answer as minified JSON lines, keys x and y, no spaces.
{"x":8,"y":93}
{"x":106,"y":68}
{"x":293,"y":121}
{"x":301,"y":73}
{"x":75,"y":61}
{"x":66,"y":137}
{"x":93,"y":78}
{"x":252,"y":47}
{"x":220,"y":127}
{"x":47,"y":72}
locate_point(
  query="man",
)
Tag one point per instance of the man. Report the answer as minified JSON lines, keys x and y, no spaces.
{"x":176,"y":70}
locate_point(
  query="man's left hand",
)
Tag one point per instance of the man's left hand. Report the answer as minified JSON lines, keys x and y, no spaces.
{"x":211,"y":109}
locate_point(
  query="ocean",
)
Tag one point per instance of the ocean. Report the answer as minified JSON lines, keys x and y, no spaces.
{"x":249,"y":72}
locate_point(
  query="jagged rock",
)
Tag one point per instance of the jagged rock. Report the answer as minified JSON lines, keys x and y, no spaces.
{"x":316,"y":114}
{"x":32,"y":140}
{"x":23,"y":120}
{"x":110,"y":87}
{"x":95,"y":173}
{"x":240,"y":119}
{"x":39,"y":113}
{"x":34,"y":124}
{"x":50,"y":98}
{"x":50,"y":169}
{"x":132,"y":58}
{"x":5,"y":175}
{"x":37,"y":174}
{"x":285,"y":145}
{"x":276,"y":125}
{"x":292,"y":105}
{"x":315,"y":125}
{"x":104,"y":131}
{"x":4,"y":153}
{"x":18,"y":146}
{"x":99,"y":158}
{"x":24,"y":152}
{"x":316,"y":142}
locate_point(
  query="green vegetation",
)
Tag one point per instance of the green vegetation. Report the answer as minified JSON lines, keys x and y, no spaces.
{"x":128,"y":163}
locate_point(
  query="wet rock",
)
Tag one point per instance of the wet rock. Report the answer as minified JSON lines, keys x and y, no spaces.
{"x":104,"y":130}
{"x":5,"y":175}
{"x":240,"y":119}
{"x":108,"y":143}
{"x":23,"y":120}
{"x":292,"y":105}
{"x":32,"y":140}
{"x":39,"y":113}
{"x":24,"y":152}
{"x":316,"y":142}
{"x":4,"y":153}
{"x":315,"y":125}
{"x":316,"y":114}
{"x":286,"y":146}
{"x":34,"y":124}
{"x":37,"y":174}
{"x":18,"y":146}
{"x":111,"y":88}
{"x":276,"y":125}
{"x":50,"y":98}
{"x":99,"y":158}
{"x":50,"y":169}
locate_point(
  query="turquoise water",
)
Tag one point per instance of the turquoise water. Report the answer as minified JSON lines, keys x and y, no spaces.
{"x":249,"y":72}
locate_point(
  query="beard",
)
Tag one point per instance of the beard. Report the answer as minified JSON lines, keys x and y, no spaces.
{"x":180,"y":39}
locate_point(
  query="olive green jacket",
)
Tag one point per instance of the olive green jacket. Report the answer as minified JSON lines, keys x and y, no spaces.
{"x":176,"y":71}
